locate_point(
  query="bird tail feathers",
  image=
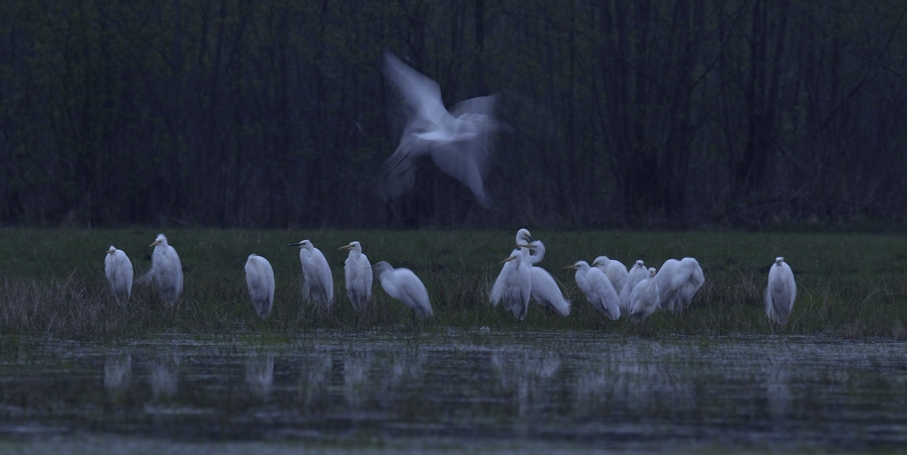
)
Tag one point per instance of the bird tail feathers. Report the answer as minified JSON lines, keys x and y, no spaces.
{"x":146,"y":277}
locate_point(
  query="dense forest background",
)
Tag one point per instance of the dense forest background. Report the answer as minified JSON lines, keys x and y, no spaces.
{"x":275,"y":113}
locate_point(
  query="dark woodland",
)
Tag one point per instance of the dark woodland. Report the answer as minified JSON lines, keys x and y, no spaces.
{"x":270,"y":113}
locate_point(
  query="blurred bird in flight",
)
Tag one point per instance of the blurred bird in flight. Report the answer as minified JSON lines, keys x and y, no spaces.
{"x":459,"y":142}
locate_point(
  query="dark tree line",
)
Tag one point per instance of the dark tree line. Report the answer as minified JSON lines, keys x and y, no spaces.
{"x":275,"y":112}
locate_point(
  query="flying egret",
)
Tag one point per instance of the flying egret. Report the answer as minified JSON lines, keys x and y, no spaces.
{"x":513,"y":285}
{"x":635,"y":275}
{"x":544,"y":290}
{"x":458,"y":142}
{"x":358,"y":274}
{"x":678,"y":281}
{"x":260,"y":278}
{"x":616,"y":272}
{"x":319,"y":282}
{"x":402,"y":284}
{"x":781,"y":291}
{"x":119,"y":272}
{"x":166,"y":270}
{"x":644,"y":298}
{"x":598,"y":289}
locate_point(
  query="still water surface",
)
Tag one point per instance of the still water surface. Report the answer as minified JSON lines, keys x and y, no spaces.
{"x":454,"y":391}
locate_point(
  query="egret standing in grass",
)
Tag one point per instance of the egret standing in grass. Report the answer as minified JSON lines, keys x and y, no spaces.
{"x":260,"y":278}
{"x":513,"y":285}
{"x":358,"y":274}
{"x":636,"y":274}
{"x":598,"y":289}
{"x":402,"y":284}
{"x":781,"y":291}
{"x":616,"y":272}
{"x":678,"y":281}
{"x":119,"y":272}
{"x":644,"y":298}
{"x":545,"y":290}
{"x":166,"y":270}
{"x":318,"y":284}
{"x":534,"y":247}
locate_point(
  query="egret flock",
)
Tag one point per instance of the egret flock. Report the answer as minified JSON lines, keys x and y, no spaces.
{"x":608,"y":285}
{"x":459,"y":143}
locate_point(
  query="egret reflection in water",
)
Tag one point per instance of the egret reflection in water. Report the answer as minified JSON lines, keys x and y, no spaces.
{"x":406,"y":368}
{"x":777,"y":387}
{"x":117,"y":374}
{"x":356,"y":377}
{"x":525,"y":374}
{"x":634,"y":378}
{"x":315,"y":377}
{"x":164,"y":377}
{"x":260,"y":375}
{"x":604,"y":392}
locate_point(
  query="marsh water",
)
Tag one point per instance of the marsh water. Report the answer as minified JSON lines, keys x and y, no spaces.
{"x":453,"y":391}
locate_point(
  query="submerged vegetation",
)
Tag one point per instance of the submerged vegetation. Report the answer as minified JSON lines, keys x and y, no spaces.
{"x":52,"y":281}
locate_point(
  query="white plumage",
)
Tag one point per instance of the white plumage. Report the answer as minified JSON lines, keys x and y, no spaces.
{"x":402,"y":284}
{"x":357,"y":272}
{"x":118,"y":269}
{"x":781,"y":292}
{"x":535,"y":248}
{"x":678,"y":281}
{"x":634,"y":276}
{"x":260,"y":278}
{"x":166,"y":269}
{"x":598,"y":289}
{"x":544,"y":290}
{"x":616,"y":272}
{"x":644,"y":298}
{"x":318,"y":284}
{"x":513,"y":285}
{"x":459,"y":142}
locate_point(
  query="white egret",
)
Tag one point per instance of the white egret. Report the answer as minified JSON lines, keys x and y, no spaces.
{"x":644,"y":299}
{"x":458,"y":142}
{"x":781,"y":291}
{"x":678,"y":281}
{"x":402,"y":284}
{"x":119,"y":272}
{"x":513,"y":285}
{"x":523,"y":237}
{"x":544,"y":290}
{"x":166,"y":270}
{"x":598,"y":289}
{"x":260,"y":278}
{"x":616,"y":272}
{"x":318,"y":283}
{"x":358,"y":274}
{"x":635,"y":275}
{"x":535,"y":248}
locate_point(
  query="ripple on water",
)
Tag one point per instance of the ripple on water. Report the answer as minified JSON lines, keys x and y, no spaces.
{"x":581,"y":388}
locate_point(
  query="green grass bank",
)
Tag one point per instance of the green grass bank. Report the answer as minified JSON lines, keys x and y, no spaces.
{"x":850,"y":285}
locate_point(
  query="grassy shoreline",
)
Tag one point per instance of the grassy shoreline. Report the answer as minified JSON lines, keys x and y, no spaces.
{"x":851,"y":285}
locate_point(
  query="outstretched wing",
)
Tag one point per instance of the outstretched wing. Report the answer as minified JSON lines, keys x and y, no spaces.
{"x":460,"y":144}
{"x":456,"y":160}
{"x":422,"y":94}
